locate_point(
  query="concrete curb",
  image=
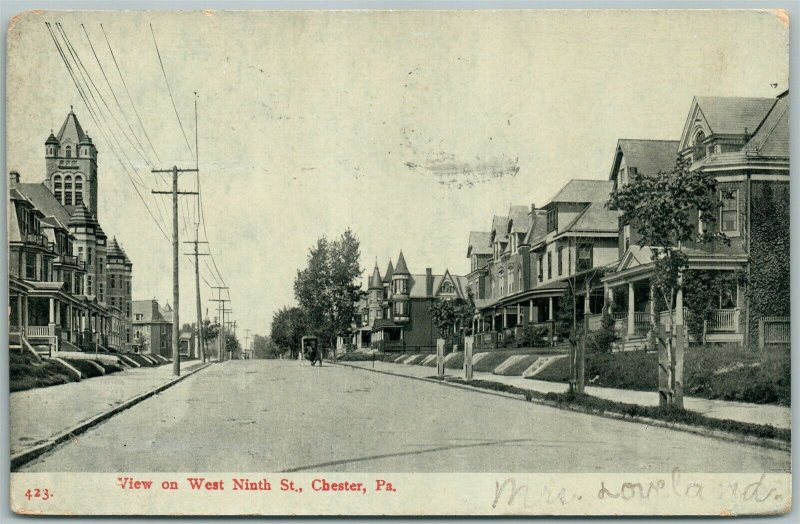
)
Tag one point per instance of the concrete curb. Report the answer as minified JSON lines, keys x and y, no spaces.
{"x":697,"y":430}
{"x":26,"y":456}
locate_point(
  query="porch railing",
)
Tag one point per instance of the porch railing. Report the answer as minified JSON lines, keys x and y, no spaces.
{"x":724,"y":320}
{"x":39,"y":332}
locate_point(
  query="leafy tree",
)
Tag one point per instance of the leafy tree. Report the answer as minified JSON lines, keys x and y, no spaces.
{"x":264,"y":347}
{"x":449,"y":315}
{"x":210,"y":333}
{"x":288,"y":328}
{"x":232,"y":346}
{"x":326,"y":289}
{"x":665,"y":211}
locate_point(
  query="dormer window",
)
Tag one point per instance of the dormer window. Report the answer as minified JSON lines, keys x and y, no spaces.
{"x":447,"y":287}
{"x":552,"y":219}
{"x":68,"y":152}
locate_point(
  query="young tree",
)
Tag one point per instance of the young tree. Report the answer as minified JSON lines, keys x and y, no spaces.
{"x":326,"y":289}
{"x":210,"y":332}
{"x":665,"y":211}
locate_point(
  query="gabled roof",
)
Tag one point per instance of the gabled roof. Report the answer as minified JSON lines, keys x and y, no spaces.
{"x":594,"y":219}
{"x":500,"y":228}
{"x":43,"y":199}
{"x":401,"y":268}
{"x":580,"y":191}
{"x":71,"y":130}
{"x":387,"y":277}
{"x":772,"y":137}
{"x":730,"y":115}
{"x":649,"y":157}
{"x":538,"y":228}
{"x":480,"y":243}
{"x":519,"y":219}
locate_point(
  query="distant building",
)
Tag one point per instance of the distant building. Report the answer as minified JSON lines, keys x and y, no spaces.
{"x":396,"y":314}
{"x":152,"y":328}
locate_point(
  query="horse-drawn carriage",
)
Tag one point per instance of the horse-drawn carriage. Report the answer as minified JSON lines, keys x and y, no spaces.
{"x":311,"y":349}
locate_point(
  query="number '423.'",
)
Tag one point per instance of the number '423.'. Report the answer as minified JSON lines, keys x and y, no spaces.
{"x":37,"y":493}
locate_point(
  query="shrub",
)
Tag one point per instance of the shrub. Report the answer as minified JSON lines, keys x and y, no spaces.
{"x":534,"y":336}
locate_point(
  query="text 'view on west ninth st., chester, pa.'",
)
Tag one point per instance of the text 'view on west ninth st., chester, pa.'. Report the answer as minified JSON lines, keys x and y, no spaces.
{"x":299,"y":215}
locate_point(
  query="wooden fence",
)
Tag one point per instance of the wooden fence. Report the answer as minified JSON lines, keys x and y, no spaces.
{"x":774,"y":330}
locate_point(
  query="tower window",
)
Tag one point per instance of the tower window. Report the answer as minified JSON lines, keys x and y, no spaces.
{"x":58,"y":188}
{"x":78,"y":190}
{"x":68,"y":190}
{"x":68,"y":152}
{"x":699,"y":146}
{"x":729,"y":211}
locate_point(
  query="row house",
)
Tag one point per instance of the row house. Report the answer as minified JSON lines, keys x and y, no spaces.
{"x":522,"y":268}
{"x":68,"y":289}
{"x":744,"y":142}
{"x":396,"y":313}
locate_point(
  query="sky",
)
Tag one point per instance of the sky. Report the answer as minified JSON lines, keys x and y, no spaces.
{"x":410,"y":128}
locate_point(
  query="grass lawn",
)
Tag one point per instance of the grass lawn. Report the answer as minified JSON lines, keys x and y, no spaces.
{"x":109,"y":368}
{"x":516,"y":369}
{"x":713,"y":372}
{"x":140,"y":360}
{"x":26,"y":373}
{"x":677,"y":416}
{"x":85,"y":367}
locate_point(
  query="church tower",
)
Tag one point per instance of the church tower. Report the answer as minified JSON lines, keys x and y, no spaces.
{"x":71,"y":166}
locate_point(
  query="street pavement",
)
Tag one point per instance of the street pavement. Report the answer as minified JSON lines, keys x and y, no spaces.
{"x":279,"y":415}
{"x":777,"y":416}
{"x":40,"y":414}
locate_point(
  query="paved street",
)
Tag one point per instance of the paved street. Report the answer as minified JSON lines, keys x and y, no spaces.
{"x":270,"y":416}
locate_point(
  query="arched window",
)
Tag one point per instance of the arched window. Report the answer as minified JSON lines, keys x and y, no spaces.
{"x":68,"y":152}
{"x":78,"y":190}
{"x":57,"y":188}
{"x":447,"y":287}
{"x":699,"y":146}
{"x":68,"y":190}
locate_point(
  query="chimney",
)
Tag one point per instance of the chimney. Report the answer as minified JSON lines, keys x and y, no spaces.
{"x":533,"y":210}
{"x":13,"y":178}
{"x":428,"y":282}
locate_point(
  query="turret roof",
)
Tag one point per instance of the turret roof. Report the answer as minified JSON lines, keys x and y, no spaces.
{"x":113,"y":250}
{"x":81,"y":216}
{"x":401,"y":268}
{"x":387,"y":277}
{"x":71,"y":130}
{"x":375,"y":282}
{"x":51,"y":139}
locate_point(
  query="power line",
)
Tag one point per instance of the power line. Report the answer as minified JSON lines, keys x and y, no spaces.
{"x":130,"y":99}
{"x":169,"y":90}
{"x":91,"y":114}
{"x":113,"y":94}
{"x":81,"y":69}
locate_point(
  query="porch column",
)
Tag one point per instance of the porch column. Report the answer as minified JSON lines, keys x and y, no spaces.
{"x":519,"y":314}
{"x":631,"y":308}
{"x":610,"y":299}
{"x":530,"y":310}
{"x":505,"y":318}
{"x":550,"y":309}
{"x":493,"y":320}
{"x":653,"y":318}
{"x":51,"y":318}
{"x":20,"y":314}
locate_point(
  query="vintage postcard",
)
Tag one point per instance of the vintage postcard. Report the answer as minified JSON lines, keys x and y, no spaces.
{"x":512,"y":262}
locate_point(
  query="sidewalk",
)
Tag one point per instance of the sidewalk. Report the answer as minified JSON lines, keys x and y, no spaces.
{"x":40,"y":414}
{"x":777,"y":416}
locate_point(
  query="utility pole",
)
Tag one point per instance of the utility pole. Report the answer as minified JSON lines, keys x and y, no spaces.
{"x":225,"y":330}
{"x":197,"y":256}
{"x":176,"y":355}
{"x":246,"y":337}
{"x":220,"y":308}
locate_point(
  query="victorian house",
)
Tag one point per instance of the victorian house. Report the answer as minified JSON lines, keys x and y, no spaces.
{"x":60,"y":271}
{"x":396,"y":314}
{"x":744,"y":142}
{"x":531,"y":258}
